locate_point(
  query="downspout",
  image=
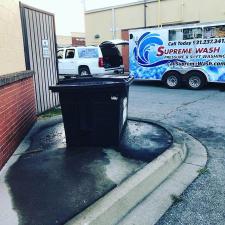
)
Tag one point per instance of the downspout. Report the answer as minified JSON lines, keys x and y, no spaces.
{"x":159,"y":14}
{"x":113,"y":24}
{"x":182,"y":10}
{"x":145,"y":14}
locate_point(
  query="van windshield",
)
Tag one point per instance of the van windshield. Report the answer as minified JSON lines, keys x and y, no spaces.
{"x":88,"y":53}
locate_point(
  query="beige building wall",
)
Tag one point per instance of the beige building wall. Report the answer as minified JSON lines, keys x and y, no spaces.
{"x":99,"y":23}
{"x":132,"y":16}
{"x":125,"y":21}
{"x":78,"y":34}
{"x":11,"y":40}
{"x":64,"y":40}
{"x":212,"y":10}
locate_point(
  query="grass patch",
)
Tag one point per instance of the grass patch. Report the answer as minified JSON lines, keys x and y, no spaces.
{"x":176,"y":199}
{"x":50,"y":113}
{"x":203,"y":170}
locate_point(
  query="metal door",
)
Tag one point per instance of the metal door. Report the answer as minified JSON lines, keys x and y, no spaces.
{"x":40,"y":53}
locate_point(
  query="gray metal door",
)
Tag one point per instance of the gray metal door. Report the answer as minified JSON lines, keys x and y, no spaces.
{"x":40,"y":53}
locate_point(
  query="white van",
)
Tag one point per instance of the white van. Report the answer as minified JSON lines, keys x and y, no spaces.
{"x":103,"y":59}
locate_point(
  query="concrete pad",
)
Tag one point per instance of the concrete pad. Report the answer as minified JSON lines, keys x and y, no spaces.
{"x":121,"y":200}
{"x":8,"y":211}
{"x":140,"y":194}
{"x":144,"y":198}
{"x":43,"y":183}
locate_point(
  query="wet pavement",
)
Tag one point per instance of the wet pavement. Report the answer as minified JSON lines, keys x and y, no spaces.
{"x":144,"y":141}
{"x":49,"y":184}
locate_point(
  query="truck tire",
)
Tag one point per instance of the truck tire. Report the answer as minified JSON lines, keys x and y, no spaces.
{"x":172,"y":79}
{"x":84,"y":71}
{"x":196,"y":80}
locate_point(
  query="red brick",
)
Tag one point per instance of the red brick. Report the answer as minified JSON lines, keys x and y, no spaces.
{"x":17,"y":114}
{"x":78,"y":41}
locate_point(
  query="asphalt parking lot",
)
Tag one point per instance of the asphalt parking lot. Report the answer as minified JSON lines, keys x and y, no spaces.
{"x":202,"y":115}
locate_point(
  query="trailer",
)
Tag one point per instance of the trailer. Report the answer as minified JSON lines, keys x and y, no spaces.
{"x":184,"y":54}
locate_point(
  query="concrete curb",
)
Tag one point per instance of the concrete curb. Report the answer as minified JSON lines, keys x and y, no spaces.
{"x":150,"y":210}
{"x":117,"y":203}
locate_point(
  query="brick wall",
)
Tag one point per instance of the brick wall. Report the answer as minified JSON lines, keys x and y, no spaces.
{"x":125,"y":50}
{"x":17,"y":111}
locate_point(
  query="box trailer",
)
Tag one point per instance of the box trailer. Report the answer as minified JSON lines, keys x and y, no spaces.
{"x":191,"y":54}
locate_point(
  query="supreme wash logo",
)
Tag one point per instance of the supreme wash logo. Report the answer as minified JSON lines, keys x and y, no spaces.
{"x":182,"y":51}
{"x":149,"y":49}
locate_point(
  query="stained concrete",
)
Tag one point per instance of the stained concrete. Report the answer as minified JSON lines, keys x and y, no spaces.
{"x":110,"y":209}
{"x":49,"y":184}
{"x":144,"y":141}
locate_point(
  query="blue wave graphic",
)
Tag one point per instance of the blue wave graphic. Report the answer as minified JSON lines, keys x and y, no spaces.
{"x":144,"y":54}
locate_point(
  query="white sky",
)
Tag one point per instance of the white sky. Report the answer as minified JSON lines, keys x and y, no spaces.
{"x":69,"y":14}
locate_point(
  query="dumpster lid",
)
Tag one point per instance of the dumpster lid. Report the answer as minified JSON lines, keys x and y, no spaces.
{"x":91,"y":83}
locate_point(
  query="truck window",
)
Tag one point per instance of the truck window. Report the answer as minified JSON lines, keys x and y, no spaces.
{"x":175,"y":35}
{"x":60,"y":54}
{"x":214,"y":31}
{"x":70,"y":53}
{"x":192,"y":33}
{"x":88,"y":53}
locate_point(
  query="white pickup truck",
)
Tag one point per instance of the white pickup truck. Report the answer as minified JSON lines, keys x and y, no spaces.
{"x":103,"y":59}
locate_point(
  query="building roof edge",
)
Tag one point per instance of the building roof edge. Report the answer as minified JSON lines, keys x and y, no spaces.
{"x":119,"y":6}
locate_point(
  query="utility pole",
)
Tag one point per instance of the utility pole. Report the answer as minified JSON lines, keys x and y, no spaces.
{"x":113,"y":24}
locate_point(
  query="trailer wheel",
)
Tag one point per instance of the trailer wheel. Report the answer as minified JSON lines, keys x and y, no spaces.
{"x":172,"y":79}
{"x":196,"y":80}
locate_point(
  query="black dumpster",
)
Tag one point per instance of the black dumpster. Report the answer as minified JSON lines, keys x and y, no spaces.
{"x":94,"y":110}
